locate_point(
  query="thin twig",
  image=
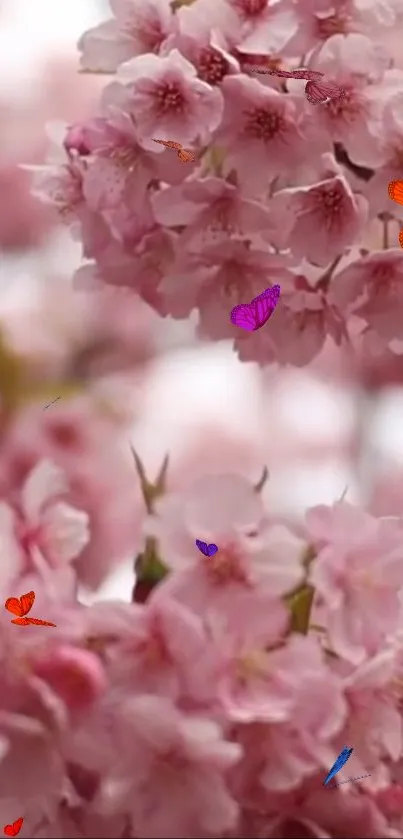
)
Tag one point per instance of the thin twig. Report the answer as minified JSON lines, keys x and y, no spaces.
{"x":51,"y":403}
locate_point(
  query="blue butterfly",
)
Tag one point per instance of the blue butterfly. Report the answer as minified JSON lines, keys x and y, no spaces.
{"x":338,"y":764}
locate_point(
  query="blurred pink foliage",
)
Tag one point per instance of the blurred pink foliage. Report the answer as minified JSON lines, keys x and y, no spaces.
{"x":213,"y":704}
{"x":24,"y":221}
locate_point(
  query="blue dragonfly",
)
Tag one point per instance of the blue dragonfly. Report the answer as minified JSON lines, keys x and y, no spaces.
{"x":338,"y":764}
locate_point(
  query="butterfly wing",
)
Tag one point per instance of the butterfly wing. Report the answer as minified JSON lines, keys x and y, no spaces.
{"x":265,"y":71}
{"x":265,"y":304}
{"x":13,"y":605}
{"x":38,"y":622}
{"x":319,"y":92}
{"x":14,"y":828}
{"x":273,"y":293}
{"x":339,"y":763}
{"x":170,"y":144}
{"x":186,"y":156}
{"x":244,"y":316}
{"x":401,"y":238}
{"x":309,"y":75}
{"x":315,"y":94}
{"x":334,"y":770}
{"x":22,"y":621}
{"x":282,"y":74}
{"x":344,"y":756}
{"x":20,"y":605}
{"x":202,"y":547}
{"x":395,"y":190}
{"x":27,"y":601}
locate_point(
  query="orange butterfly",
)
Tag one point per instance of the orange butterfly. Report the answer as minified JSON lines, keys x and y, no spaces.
{"x":395,"y":190}
{"x":185,"y":155}
{"x":20,"y":606}
{"x":170,"y":144}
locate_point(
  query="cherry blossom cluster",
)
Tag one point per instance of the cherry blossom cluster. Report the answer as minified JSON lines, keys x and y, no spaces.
{"x":215,"y":706}
{"x":214,"y":703}
{"x":281,"y":191}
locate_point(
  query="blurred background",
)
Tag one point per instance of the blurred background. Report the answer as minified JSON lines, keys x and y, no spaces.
{"x":330,"y":429}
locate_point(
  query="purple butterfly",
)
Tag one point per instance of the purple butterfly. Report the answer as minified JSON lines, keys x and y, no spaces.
{"x":252,"y":316}
{"x":207,"y":550}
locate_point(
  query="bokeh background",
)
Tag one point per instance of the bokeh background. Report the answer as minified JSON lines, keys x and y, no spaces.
{"x":332,"y":428}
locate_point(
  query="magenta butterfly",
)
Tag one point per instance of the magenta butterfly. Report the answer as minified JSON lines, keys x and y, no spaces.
{"x":252,"y":316}
{"x":318,"y":92}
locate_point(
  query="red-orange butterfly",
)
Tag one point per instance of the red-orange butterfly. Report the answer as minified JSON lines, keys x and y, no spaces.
{"x":395,"y":190}
{"x":20,"y":606}
{"x":14,"y":828}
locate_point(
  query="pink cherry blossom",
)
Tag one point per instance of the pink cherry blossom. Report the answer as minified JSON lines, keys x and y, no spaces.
{"x":161,"y":641}
{"x":239,"y":664}
{"x":371,"y":691}
{"x":77,"y":141}
{"x":205,"y":51}
{"x":299,"y":738}
{"x":77,"y":676}
{"x":61,"y":187}
{"x":98,"y":471}
{"x":357,"y":574}
{"x":371,"y":288}
{"x":310,"y":812}
{"x":265,"y":27}
{"x":140,"y":267}
{"x":241,"y":512}
{"x":118,"y":164}
{"x":175,"y":749}
{"x":248,"y":546}
{"x":357,"y":65}
{"x":46,"y":522}
{"x":210,"y":20}
{"x":328,"y":209}
{"x":137,"y":28}
{"x":169,"y":100}
{"x":37,"y":723}
{"x":119,"y":172}
{"x":262,"y":131}
{"x":390,"y":802}
{"x":210,"y":209}
{"x":319,"y":21}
